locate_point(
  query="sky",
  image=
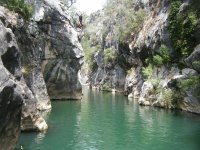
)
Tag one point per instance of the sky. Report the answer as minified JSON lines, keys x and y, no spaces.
{"x":89,"y":6}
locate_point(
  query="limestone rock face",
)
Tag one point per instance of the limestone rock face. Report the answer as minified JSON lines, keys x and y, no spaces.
{"x":12,"y":89}
{"x":10,"y":115}
{"x":154,"y":30}
{"x":194,"y":58}
{"x":45,"y":47}
{"x":30,"y":78}
{"x":166,"y":80}
{"x":169,"y":91}
{"x":190,"y":104}
{"x":32,"y":67}
{"x":107,"y":75}
{"x":33,"y":123}
{"x":163,"y":86}
{"x":133,"y":82}
{"x":55,"y":43}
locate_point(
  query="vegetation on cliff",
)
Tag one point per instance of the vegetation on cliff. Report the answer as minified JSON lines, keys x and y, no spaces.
{"x":155,"y":61}
{"x":182,"y":24}
{"x":109,"y":28}
{"x":20,"y":7}
{"x":124,"y":20}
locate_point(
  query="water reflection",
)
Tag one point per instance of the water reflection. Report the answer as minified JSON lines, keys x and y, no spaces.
{"x":39,"y":138}
{"x":109,"y":121}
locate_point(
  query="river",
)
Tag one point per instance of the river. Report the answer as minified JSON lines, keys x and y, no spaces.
{"x":104,"y":121}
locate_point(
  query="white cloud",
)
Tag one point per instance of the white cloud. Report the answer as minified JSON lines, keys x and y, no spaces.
{"x":89,"y":6}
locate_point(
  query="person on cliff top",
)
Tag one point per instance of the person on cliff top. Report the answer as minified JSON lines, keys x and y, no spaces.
{"x":80,"y":17}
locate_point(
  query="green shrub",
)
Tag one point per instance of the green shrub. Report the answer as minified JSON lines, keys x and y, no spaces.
{"x":126,"y":20}
{"x":168,"y":98}
{"x":20,"y":7}
{"x":155,"y":82}
{"x":156,"y":86}
{"x":90,"y":51}
{"x":188,"y":83}
{"x":196,"y":65}
{"x":106,"y":87}
{"x":110,"y":55}
{"x":158,"y":60}
{"x":132,"y":23}
{"x":165,"y":53}
{"x":163,"y":57}
{"x":147,"y":72}
{"x":171,"y":98}
{"x":181,"y":28}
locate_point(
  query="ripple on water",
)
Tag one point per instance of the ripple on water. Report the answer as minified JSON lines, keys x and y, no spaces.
{"x":102,"y":121}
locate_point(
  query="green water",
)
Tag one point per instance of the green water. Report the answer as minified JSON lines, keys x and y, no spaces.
{"x":102,"y":121}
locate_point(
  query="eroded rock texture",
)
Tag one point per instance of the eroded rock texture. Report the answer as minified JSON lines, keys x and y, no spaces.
{"x":10,"y":116}
{"x":11,"y":58}
{"x":54,"y":41}
{"x":127,"y":72}
{"x":165,"y":87}
{"x":46,"y":44}
{"x":106,"y":74}
{"x":12,"y":91}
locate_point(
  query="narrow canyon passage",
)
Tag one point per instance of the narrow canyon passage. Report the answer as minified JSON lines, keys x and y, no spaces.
{"x":140,"y":61}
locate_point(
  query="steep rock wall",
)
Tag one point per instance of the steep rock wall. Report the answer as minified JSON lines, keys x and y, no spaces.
{"x":106,"y":73}
{"x":46,"y":45}
{"x":165,"y":87}
{"x":11,"y":60}
{"x":12,"y":89}
{"x":154,"y":51}
{"x":55,"y":45}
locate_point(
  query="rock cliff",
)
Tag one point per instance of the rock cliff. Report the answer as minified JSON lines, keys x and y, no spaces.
{"x":171,"y":84}
{"x":13,"y":90}
{"x":156,"y":62}
{"x":11,"y":70}
{"x":55,"y":41}
{"x":107,"y":60}
{"x":55,"y":51}
{"x":40,"y":60}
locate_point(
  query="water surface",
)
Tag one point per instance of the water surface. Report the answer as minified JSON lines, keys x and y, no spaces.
{"x":102,"y":121}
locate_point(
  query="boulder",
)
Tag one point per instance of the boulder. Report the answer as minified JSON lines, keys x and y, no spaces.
{"x":193,"y":60}
{"x":33,"y":123}
{"x":143,"y":102}
{"x":158,"y":103}
{"x":190,"y":104}
{"x":189,"y":72}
